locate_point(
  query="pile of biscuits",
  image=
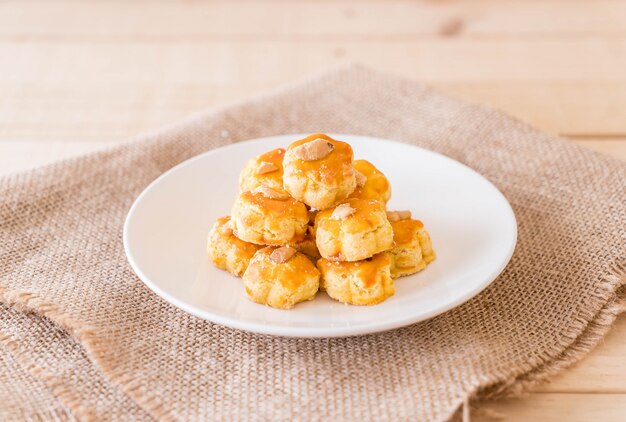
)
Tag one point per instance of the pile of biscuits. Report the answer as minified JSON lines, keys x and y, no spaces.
{"x":312,"y":218}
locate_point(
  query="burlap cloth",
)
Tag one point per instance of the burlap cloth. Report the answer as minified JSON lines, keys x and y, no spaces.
{"x":81,"y":337}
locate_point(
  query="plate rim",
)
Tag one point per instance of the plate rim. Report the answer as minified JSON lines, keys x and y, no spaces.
{"x":314,"y":332}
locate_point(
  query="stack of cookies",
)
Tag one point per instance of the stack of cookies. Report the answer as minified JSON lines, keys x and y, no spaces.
{"x":311,"y":218}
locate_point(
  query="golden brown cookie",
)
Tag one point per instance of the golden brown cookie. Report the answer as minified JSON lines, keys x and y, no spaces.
{"x":268,"y":217}
{"x":352,"y":231}
{"x":226,"y":250}
{"x":318,"y":171}
{"x":263,"y":170}
{"x":371,"y":182}
{"x":280,"y":277}
{"x":366,"y":282}
{"x":412,"y":250}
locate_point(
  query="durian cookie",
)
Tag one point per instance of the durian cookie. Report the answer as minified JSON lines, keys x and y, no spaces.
{"x":365,"y":282}
{"x":354,"y":230}
{"x":265,"y":216}
{"x":280,"y":277}
{"x":318,"y":171}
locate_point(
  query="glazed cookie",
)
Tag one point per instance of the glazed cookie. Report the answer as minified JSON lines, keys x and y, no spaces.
{"x":412,"y":250}
{"x":354,"y":230}
{"x":370,"y":182}
{"x":268,"y":217}
{"x":280,"y":278}
{"x":366,"y":282}
{"x":318,"y":171}
{"x":263,"y":170}
{"x":226,"y":250}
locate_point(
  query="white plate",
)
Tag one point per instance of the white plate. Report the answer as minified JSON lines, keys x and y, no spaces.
{"x":472,"y":227}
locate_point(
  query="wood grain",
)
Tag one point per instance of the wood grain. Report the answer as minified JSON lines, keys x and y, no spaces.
{"x":555,"y":408}
{"x":158,"y":21}
{"x":76,"y":77}
{"x":561,"y":86}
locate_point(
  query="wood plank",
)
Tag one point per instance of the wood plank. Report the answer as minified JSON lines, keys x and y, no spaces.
{"x":582,"y":107}
{"x":124,"y":109}
{"x":348,"y":19}
{"x":555,"y":408}
{"x":592,"y":59}
{"x":116,"y":90}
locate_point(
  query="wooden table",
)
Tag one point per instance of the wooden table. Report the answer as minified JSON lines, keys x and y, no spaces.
{"x":75,"y":77}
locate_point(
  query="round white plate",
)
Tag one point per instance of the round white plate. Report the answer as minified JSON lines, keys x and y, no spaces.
{"x":472,"y":226}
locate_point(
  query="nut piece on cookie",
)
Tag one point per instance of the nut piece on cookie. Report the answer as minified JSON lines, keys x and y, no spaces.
{"x":366,"y":282}
{"x":394,"y":216}
{"x":371,"y":183}
{"x":412,"y":250}
{"x":280,"y":278}
{"x":354,"y":230}
{"x":226,"y":250}
{"x":318,"y":171}
{"x":341,"y":212}
{"x":269,"y":217}
{"x":314,"y":150}
{"x":263,"y":170}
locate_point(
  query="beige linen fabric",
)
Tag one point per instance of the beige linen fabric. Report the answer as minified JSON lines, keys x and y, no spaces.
{"x":104,"y":340}
{"x":24,"y":397}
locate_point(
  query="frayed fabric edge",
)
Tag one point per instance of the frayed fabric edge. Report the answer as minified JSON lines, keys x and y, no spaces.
{"x":31,"y":303}
{"x":522,"y":385}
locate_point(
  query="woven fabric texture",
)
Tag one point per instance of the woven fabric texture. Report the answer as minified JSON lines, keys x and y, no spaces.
{"x":85,"y":338}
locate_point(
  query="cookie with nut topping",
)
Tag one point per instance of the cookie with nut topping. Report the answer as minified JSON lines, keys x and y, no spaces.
{"x":318,"y":171}
{"x":280,"y":278}
{"x":354,"y":230}
{"x":263,"y":170}
{"x":412,"y":249}
{"x":365,"y":282}
{"x":266,"y":216}
{"x":226,"y":250}
{"x":371,"y":183}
